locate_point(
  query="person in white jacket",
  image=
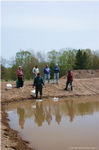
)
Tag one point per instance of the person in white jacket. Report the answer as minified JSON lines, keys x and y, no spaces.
{"x":35,"y":71}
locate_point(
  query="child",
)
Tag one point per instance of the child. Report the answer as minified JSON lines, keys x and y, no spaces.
{"x":69,"y":80}
{"x":38,"y":83}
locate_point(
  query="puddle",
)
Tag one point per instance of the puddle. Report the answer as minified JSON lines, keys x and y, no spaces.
{"x":62,"y":125}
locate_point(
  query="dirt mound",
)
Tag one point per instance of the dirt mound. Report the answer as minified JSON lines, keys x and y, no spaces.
{"x":82,"y":74}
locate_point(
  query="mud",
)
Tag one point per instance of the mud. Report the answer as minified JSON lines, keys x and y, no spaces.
{"x":86,"y":83}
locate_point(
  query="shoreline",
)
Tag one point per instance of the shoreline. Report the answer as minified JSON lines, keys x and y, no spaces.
{"x":11,"y":138}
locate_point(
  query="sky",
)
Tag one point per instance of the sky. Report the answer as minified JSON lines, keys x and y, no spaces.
{"x":44,"y":26}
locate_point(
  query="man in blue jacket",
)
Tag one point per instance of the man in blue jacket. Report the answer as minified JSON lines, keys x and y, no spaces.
{"x":38,"y":84}
{"x":47,"y":73}
{"x":56,"y":73}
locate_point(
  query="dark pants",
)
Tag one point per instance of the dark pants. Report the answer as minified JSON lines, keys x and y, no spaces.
{"x":39,"y":90}
{"x":69,"y":82}
{"x":20,"y":82}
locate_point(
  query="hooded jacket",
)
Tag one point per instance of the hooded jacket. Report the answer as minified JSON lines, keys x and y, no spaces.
{"x":70,"y":76}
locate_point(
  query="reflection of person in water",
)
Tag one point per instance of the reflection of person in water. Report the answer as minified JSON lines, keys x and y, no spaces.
{"x":48,"y":115}
{"x":57,"y":114}
{"x":20,"y":112}
{"x":39,"y":114}
{"x":70,"y":110}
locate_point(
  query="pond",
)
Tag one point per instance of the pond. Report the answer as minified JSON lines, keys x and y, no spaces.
{"x":61,"y":125}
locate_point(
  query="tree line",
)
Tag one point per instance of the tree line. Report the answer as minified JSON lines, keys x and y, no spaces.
{"x":66,"y":59}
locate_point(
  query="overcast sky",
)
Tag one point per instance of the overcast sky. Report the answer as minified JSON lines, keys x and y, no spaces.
{"x":44,"y":26}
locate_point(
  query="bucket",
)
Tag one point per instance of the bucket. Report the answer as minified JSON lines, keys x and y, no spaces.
{"x":8,"y":86}
{"x":33,"y":93}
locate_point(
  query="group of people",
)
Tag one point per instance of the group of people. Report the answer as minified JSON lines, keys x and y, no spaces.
{"x":39,"y":81}
{"x":47,"y":72}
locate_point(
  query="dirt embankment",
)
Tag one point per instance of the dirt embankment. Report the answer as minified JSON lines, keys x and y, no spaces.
{"x":10,"y":140}
{"x":86,"y":83}
{"x":83,"y":74}
{"x":82,"y":87}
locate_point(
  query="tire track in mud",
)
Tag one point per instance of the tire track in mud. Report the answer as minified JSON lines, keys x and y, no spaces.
{"x":81,"y":87}
{"x":91,"y":89}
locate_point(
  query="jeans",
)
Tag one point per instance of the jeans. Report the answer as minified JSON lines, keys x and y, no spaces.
{"x":47,"y":77}
{"x":34,"y":76}
{"x":56,"y":77}
{"x":69,"y":82}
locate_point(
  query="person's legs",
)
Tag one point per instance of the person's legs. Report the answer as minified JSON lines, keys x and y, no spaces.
{"x":45,"y":77}
{"x":48,"y":76}
{"x":19,"y":82}
{"x":54,"y":78}
{"x":66,"y":85}
{"x":57,"y":77}
{"x":36,"y":93}
{"x":34,"y":76}
{"x":41,"y":93}
{"x":71,"y":85}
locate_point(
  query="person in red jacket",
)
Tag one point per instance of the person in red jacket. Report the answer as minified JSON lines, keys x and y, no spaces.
{"x":69,"y":80}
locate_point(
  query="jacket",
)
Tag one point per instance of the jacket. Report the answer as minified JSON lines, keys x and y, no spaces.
{"x":56,"y":69}
{"x":70,"y":77}
{"x":19,"y":73}
{"x":35,"y":70}
{"x":38,"y":82}
{"x":47,"y":70}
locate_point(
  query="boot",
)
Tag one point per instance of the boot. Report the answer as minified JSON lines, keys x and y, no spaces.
{"x":40,"y":96}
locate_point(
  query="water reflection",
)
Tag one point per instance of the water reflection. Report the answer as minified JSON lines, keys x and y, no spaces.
{"x":58,"y":113}
{"x":48,"y":115}
{"x":39,"y":114}
{"x":21,"y":112}
{"x":47,"y":111}
{"x":70,"y":108}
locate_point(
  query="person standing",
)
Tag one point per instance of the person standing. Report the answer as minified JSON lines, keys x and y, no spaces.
{"x":47,"y":74}
{"x":35,"y":71}
{"x":69,"y":80}
{"x":38,"y":84}
{"x":56,"y":73}
{"x":20,"y":77}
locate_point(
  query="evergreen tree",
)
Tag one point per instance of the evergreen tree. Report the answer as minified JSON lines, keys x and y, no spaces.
{"x":79,"y":60}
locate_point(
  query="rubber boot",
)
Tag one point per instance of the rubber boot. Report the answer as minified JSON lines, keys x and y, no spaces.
{"x":40,"y":96}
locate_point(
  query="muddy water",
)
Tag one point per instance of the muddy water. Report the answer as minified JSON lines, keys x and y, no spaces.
{"x":62,"y":125}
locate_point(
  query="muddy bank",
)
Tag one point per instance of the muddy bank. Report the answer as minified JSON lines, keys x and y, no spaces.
{"x":82,"y":87}
{"x":10,"y":139}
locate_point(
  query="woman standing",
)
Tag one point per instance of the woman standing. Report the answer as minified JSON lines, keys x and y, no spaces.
{"x":20,"y":76}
